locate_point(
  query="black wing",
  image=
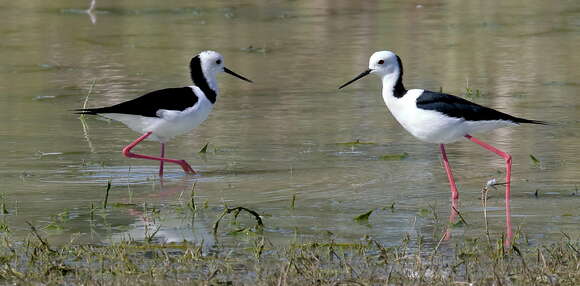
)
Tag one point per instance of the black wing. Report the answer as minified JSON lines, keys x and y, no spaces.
{"x":147,"y":105}
{"x":458,"y":107}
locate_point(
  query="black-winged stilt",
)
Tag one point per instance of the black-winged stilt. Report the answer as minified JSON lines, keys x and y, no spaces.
{"x":438,"y":117}
{"x":163,"y":114}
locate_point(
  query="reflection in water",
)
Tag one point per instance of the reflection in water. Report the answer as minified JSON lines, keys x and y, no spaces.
{"x":278,"y":138}
{"x":91,"y":11}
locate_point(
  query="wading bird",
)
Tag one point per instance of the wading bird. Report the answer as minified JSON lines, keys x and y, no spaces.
{"x":439,"y":118}
{"x":163,"y":114}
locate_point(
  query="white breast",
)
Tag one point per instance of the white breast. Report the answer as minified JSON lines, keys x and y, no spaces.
{"x":426,"y":125}
{"x":175,"y":122}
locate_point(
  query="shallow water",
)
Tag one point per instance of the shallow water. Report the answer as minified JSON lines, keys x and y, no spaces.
{"x":281,"y":137}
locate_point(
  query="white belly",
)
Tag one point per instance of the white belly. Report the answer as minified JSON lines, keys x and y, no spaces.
{"x":169,"y":124}
{"x":173,"y":123}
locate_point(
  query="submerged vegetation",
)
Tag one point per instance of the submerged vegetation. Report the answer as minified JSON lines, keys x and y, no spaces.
{"x":253,"y":259}
{"x":366,"y":262}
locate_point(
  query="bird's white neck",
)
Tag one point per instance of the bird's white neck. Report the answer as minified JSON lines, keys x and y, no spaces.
{"x":212,"y":82}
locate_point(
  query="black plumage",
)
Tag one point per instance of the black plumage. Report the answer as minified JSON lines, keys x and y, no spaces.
{"x":147,"y":105}
{"x":399,"y":89}
{"x":458,"y":107}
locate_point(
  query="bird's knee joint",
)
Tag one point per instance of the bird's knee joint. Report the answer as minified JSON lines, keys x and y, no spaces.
{"x":127,"y":152}
{"x":508,"y":158}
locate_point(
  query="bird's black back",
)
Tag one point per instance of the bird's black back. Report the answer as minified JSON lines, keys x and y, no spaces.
{"x":458,"y":107}
{"x":147,"y":105}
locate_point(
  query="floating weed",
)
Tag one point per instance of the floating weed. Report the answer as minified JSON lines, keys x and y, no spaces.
{"x":364,"y":218}
{"x":393,"y":157}
{"x":35,"y":232}
{"x":245,"y":231}
{"x":293,"y":201}
{"x":519,"y":94}
{"x":124,"y":205}
{"x":258,"y":248}
{"x":191,"y":203}
{"x":355,"y":143}
{"x":535,"y":160}
{"x":204,"y":149}
{"x":424,"y":212}
{"x":391,"y":207}
{"x":470,"y":93}
{"x":54,"y":226}
{"x":252,"y":49}
{"x":107,"y":194}
{"x":63,"y":216}
{"x":4,"y":227}
{"x":92,"y":212}
{"x":150,"y":235}
{"x":461,"y":218}
{"x":560,"y":83}
{"x":236,"y":212}
{"x":3,"y":209}
{"x":57,"y":221}
{"x":459,"y":223}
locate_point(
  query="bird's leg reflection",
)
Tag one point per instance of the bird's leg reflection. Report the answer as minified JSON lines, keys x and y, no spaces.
{"x":508,"y":225}
{"x":452,"y":219}
{"x":161,"y":162}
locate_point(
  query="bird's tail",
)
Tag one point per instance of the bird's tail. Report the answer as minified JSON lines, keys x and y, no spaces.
{"x":523,"y":120}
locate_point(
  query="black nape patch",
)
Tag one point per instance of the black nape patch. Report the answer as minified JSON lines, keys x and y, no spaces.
{"x":147,"y":105}
{"x":399,"y":90}
{"x":199,"y":79}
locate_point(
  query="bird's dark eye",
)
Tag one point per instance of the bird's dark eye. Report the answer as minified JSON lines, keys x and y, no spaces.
{"x":381,"y":62}
{"x":218,"y":62}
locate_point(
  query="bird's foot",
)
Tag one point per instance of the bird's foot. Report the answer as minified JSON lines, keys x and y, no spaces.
{"x":186,"y":167}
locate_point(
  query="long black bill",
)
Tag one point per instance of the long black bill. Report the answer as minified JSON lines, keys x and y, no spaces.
{"x":363,"y":74}
{"x":226,"y":70}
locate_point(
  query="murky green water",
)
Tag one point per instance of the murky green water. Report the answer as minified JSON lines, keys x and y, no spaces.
{"x":279,"y":138}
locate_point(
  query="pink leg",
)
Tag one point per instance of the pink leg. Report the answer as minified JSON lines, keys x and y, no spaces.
{"x":454,"y":193}
{"x":161,"y":162}
{"x":127,"y":152}
{"x":508,"y":173}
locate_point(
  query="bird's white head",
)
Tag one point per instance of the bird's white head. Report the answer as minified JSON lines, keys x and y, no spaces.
{"x":204,"y":68}
{"x":388,"y":66}
{"x":384,"y":63}
{"x":210,"y":62}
